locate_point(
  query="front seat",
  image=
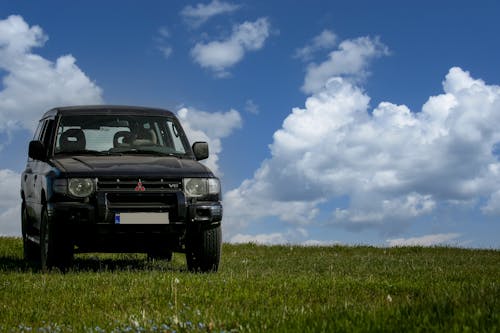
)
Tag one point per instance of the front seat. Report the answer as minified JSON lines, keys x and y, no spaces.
{"x":72,"y":140}
{"x":145,"y":137}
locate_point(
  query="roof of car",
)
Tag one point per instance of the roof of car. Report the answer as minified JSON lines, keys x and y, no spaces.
{"x":107,"y":109}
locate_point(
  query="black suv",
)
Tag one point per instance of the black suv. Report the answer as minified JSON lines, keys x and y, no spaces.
{"x":118,"y":179}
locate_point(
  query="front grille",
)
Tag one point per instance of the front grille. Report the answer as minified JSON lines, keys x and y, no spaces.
{"x":141,"y":202}
{"x":128,"y":194}
{"x":127,"y":184}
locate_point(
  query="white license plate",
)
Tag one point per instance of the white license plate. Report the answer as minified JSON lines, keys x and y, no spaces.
{"x":141,"y":218}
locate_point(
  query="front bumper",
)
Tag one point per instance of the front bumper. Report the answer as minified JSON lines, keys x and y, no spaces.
{"x":92,"y":227}
{"x":197,"y":213}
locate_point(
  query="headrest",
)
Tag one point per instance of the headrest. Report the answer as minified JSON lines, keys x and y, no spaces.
{"x":72,"y":139}
{"x":145,"y":137}
{"x":121,"y":138}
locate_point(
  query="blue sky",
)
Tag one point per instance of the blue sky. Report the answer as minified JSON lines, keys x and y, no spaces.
{"x":356,"y":122}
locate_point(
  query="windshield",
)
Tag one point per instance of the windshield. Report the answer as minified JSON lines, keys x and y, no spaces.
{"x":120,"y":134}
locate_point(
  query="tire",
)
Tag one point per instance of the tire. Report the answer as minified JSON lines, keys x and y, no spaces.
{"x":204,"y":250}
{"x":154,"y":255}
{"x":56,"y":250}
{"x":31,"y":250}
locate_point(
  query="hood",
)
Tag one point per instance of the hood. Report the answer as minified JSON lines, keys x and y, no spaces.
{"x":130,"y":165}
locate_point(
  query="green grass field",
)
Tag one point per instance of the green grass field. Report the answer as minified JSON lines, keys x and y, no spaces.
{"x":258,"y":289}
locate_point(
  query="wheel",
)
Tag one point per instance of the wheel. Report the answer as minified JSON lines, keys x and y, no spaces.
{"x":204,"y":249}
{"x":160,"y":255}
{"x":31,"y":250}
{"x":56,"y":250}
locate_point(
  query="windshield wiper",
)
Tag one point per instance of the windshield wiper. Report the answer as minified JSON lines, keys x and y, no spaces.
{"x":147,"y":151}
{"x":89,"y":152}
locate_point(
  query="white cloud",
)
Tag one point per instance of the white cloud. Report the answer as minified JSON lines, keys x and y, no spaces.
{"x":220,"y":55}
{"x":267,"y":239}
{"x":492,"y":207}
{"x":164,"y":32}
{"x":290,"y":236}
{"x":10,"y":203}
{"x":166,"y":51}
{"x":9,"y":183}
{"x":199,"y":14}
{"x":381,"y":168}
{"x":298,"y":236}
{"x":162,"y":43}
{"x":427,"y":240}
{"x":210,"y":127}
{"x":251,"y":107}
{"x":314,"y":242}
{"x":33,"y":84}
{"x":350,"y":61}
{"x":373,"y":209}
{"x":325,"y":40}
{"x":10,"y":221}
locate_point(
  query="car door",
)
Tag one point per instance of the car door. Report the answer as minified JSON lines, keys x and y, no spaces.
{"x":36,"y":170}
{"x":27,"y":178}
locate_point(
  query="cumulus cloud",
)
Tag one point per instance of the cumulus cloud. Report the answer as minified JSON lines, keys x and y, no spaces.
{"x":427,"y":240}
{"x":324,"y":41}
{"x":199,"y":14}
{"x":380,"y":168}
{"x":298,"y":236}
{"x":374,"y":208}
{"x":33,"y":84}
{"x":290,"y":236}
{"x":267,"y":239}
{"x":10,"y":206}
{"x":350,"y":61}
{"x":210,"y":127}
{"x":222,"y":54}
{"x":492,"y":207}
{"x":315,"y":242}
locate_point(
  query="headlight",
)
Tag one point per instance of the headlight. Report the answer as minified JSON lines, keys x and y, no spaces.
{"x":76,"y":187}
{"x":201,"y":187}
{"x":80,"y":187}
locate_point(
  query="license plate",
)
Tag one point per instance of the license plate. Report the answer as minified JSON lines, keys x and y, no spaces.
{"x":141,"y":218}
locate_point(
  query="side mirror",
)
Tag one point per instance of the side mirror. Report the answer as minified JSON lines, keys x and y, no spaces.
{"x":37,"y":151}
{"x":200,"y":150}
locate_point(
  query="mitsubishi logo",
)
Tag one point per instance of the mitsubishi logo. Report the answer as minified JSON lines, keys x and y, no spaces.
{"x":139,"y":187}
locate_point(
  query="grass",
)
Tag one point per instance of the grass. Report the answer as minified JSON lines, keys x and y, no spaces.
{"x":258,"y":288}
